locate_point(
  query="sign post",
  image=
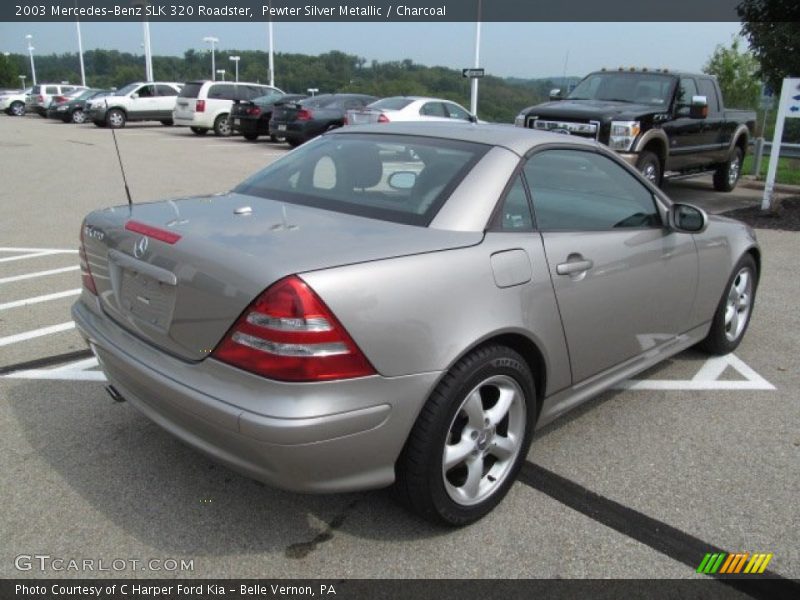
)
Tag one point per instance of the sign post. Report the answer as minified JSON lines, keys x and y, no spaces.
{"x":788,"y":108}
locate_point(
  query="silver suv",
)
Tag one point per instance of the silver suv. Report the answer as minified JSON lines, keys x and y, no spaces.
{"x":41,"y":95}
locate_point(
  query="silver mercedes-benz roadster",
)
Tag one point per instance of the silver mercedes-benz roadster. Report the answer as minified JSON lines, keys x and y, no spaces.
{"x":404,"y":304}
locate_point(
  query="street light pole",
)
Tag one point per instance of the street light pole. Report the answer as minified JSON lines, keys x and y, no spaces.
{"x":271,"y":57}
{"x":235,"y":60}
{"x":148,"y":51}
{"x":473,"y":105}
{"x":212,"y":40}
{"x":29,"y":37}
{"x":221,"y":72}
{"x":80,"y":50}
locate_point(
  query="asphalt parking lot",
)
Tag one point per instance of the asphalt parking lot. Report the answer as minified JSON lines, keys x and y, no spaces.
{"x":695,"y":455}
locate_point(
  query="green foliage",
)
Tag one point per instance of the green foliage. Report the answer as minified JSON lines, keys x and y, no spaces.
{"x":737,"y":74}
{"x":500,"y":100}
{"x":773,"y":29}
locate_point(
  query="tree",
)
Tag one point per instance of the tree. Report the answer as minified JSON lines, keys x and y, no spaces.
{"x":772,"y":28}
{"x":737,"y":74}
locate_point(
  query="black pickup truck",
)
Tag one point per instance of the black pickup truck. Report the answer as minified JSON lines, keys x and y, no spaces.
{"x":664,"y":123}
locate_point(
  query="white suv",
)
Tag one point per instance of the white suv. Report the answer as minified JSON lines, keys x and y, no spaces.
{"x":204,"y":105}
{"x":13,"y":102}
{"x":140,"y":101}
{"x":39,"y":98}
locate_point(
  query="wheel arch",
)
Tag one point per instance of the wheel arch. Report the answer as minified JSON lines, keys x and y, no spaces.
{"x":655,"y":141}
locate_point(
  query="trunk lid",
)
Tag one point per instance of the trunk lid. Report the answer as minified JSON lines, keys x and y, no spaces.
{"x":183,"y":297}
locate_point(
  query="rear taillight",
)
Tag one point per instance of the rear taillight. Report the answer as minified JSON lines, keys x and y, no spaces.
{"x":382,"y":118}
{"x":161,"y":235}
{"x":200,"y":106}
{"x":40,"y":98}
{"x":289,"y":334}
{"x":254,"y":111}
{"x":86,"y":274}
{"x":346,"y":120}
{"x":59,"y":99}
{"x":304,"y":115}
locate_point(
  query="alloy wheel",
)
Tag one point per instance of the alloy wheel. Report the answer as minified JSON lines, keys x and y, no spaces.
{"x":738,"y":304}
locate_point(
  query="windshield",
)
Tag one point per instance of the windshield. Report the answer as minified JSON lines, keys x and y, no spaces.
{"x":636,"y":88}
{"x":127,"y":89}
{"x":404,"y":179}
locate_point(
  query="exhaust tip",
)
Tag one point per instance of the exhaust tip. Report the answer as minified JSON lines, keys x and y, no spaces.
{"x":115,"y":395}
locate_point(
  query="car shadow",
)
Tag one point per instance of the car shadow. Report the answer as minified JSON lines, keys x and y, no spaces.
{"x":173,"y":498}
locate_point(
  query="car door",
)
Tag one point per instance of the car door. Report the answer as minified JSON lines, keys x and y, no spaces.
{"x":685,"y":134}
{"x":165,"y":101}
{"x":143,"y":103}
{"x":433,"y":111}
{"x":714,"y":137}
{"x":455,"y":112}
{"x":624,"y":283}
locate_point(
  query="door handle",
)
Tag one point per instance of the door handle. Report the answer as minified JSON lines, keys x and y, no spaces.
{"x":572,"y":266}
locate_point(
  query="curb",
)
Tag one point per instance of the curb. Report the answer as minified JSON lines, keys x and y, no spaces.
{"x":754,"y":184}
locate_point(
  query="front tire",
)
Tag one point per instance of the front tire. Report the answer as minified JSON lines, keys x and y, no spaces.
{"x":17,"y":109}
{"x":115,"y":118}
{"x":735,"y":308}
{"x":470,"y":439}
{"x":727,"y":176}
{"x":650,"y":167}
{"x":222,"y":126}
{"x":78,"y":116}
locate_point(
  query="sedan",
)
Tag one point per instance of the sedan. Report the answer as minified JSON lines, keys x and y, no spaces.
{"x":409,"y":108}
{"x":301,"y":121}
{"x":404,"y":304}
{"x":73,"y":108}
{"x":251,"y":117}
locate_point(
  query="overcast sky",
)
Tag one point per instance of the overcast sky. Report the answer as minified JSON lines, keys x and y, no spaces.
{"x":507,"y":49}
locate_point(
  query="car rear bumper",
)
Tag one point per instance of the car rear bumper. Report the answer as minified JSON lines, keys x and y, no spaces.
{"x":323,"y":437}
{"x":190,"y":121}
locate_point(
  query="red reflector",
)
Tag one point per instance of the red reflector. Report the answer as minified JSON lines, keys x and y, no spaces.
{"x":200,"y":106}
{"x":154,"y":232}
{"x":382,"y":118}
{"x":304,"y":115}
{"x":289,"y":334}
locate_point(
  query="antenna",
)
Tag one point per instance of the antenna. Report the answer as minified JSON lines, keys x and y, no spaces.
{"x":119,"y":158}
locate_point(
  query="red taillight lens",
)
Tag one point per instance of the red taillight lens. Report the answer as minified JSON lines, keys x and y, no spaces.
{"x":200,"y":106}
{"x":59,"y":99}
{"x":289,"y":334}
{"x":304,"y":115}
{"x":161,"y":235}
{"x":86,"y":274}
{"x":254,"y":111}
{"x":382,"y":118}
{"x":39,"y":98}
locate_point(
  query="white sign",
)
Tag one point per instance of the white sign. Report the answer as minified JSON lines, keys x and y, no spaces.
{"x":788,"y":108}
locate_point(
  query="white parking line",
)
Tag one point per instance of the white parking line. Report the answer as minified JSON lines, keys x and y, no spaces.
{"x":74,"y":371}
{"x":24,"y":256}
{"x":27,"y":335}
{"x":49,"y":250}
{"x":38,"y":274}
{"x":37,"y":299}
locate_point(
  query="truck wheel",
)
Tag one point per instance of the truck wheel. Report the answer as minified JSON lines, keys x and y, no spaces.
{"x":198,"y":130}
{"x":727,"y":176}
{"x":649,"y":166}
{"x":222,"y":126}
{"x":470,"y":439}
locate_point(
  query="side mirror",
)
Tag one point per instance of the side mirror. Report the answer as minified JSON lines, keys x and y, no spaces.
{"x":473,"y":119}
{"x":134,"y":95}
{"x":686,"y":218}
{"x":555,"y":95}
{"x":698,"y":109}
{"x":402,"y":180}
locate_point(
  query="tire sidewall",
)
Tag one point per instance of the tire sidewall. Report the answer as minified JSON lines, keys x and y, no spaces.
{"x":650,"y":158}
{"x":717,"y":341}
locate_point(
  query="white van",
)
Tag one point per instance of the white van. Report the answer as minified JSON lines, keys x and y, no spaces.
{"x":204,"y":105}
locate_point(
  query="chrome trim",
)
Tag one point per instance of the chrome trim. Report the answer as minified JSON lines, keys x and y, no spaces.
{"x":297,"y":350}
{"x":285,"y":324}
{"x":570,"y":127}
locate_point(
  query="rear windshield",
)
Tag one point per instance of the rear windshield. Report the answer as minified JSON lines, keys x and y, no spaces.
{"x":191,"y":90}
{"x":404,"y":179}
{"x":391,"y":103}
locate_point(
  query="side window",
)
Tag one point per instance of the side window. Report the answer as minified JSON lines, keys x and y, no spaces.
{"x":515,"y":212}
{"x":456,"y":112}
{"x":51,"y":90}
{"x":66,"y":88}
{"x":686,"y":90}
{"x":709,"y":90}
{"x":165,"y":90}
{"x":146,"y":91}
{"x":221,"y":91}
{"x":433,"y":109}
{"x":576,"y":190}
{"x":353,"y":103}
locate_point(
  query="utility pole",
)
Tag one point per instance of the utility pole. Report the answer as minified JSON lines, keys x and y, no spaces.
{"x":29,"y":37}
{"x":473,"y":104}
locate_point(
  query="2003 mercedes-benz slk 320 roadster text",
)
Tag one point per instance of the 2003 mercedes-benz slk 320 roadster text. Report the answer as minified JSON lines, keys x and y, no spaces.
{"x":404,"y":303}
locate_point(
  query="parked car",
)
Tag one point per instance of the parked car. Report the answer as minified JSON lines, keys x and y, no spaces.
{"x":251,"y":117}
{"x":41,"y":94}
{"x":409,"y":108}
{"x":300,"y":121}
{"x":663,"y":123}
{"x":205,"y":105}
{"x":13,"y":103}
{"x":73,"y":109}
{"x":382,"y":306}
{"x":138,"y":101}
{"x":57,"y":101}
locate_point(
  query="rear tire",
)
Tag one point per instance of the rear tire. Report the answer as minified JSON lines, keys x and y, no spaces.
{"x":650,"y":167}
{"x":198,"y":130}
{"x":470,"y":439}
{"x":78,"y":116}
{"x":115,"y":118}
{"x":732,"y":316}
{"x":727,"y":176}
{"x":222,"y":126}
